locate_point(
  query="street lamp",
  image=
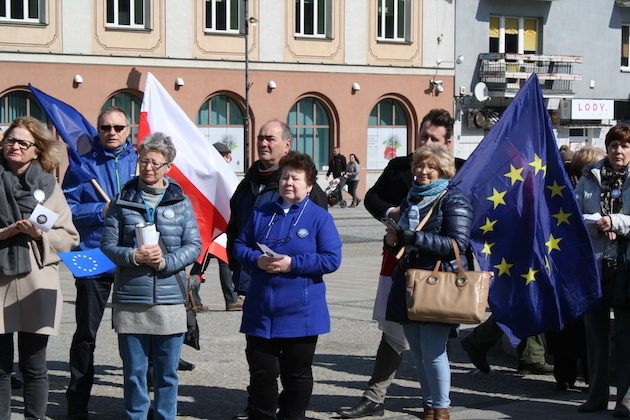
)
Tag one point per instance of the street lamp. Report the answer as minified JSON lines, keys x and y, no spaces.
{"x":247,"y":21}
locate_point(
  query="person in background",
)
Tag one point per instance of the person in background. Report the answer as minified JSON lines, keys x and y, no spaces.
{"x":232,"y":301}
{"x":569,"y":345}
{"x":112,"y":162}
{"x":285,"y":310}
{"x":30,"y":289}
{"x":148,"y":314}
{"x":352,"y":178}
{"x":336,"y":165}
{"x":603,"y":189}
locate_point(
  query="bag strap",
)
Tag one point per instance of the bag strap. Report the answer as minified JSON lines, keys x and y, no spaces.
{"x":423,"y":222}
{"x":178,"y":275}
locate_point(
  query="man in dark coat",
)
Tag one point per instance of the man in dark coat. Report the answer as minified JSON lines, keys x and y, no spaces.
{"x":337,"y":164}
{"x":260,"y":186}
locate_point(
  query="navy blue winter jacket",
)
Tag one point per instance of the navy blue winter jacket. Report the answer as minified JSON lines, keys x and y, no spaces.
{"x":111,"y":171}
{"x":176,"y":222}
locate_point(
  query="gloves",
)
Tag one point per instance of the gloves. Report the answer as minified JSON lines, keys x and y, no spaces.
{"x":406,"y":237}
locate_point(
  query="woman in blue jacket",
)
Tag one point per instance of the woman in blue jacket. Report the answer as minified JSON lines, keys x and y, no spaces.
{"x":285,"y":309}
{"x":148,"y":312}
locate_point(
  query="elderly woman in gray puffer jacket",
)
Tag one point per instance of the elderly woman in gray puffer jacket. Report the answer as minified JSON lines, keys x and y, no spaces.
{"x":149,"y":313}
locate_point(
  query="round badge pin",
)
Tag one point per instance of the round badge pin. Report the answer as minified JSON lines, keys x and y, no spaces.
{"x":39,"y":195}
{"x":616,"y":193}
{"x":41,"y":219}
{"x":169,"y":213}
{"x":302,"y":232}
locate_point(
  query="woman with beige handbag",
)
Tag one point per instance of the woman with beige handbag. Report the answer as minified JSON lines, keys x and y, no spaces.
{"x":451,"y":217}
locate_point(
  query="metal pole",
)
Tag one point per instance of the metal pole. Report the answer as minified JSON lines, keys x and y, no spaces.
{"x":247,"y":85}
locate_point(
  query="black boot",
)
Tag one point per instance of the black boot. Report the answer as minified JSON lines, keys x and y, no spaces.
{"x":184,"y":365}
{"x":364,"y":408}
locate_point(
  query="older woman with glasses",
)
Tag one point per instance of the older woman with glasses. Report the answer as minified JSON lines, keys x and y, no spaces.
{"x":29,"y":266}
{"x":149,"y":285}
{"x":285,"y":309}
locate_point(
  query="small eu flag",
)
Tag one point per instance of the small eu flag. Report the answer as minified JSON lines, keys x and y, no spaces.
{"x":527,"y":227}
{"x":88,"y":263}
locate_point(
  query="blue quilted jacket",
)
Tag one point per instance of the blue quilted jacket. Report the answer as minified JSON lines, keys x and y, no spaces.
{"x":176,"y":222}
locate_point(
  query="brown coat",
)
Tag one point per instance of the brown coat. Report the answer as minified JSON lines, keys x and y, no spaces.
{"x":32,"y":303}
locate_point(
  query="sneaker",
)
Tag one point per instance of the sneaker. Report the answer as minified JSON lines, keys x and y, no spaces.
{"x":538,"y":368}
{"x":201,"y":308}
{"x":235,"y":306}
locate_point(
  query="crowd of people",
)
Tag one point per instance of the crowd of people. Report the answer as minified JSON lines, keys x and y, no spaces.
{"x":281,"y":242}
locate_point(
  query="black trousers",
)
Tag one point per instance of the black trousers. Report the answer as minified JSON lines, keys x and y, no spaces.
{"x":92,"y":296}
{"x":292,"y":360}
{"x":32,"y":362}
{"x":352,"y":189}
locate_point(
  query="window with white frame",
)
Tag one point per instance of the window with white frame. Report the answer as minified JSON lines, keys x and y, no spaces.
{"x":25,"y":11}
{"x":394,"y":20}
{"x":223,"y":16}
{"x":517,"y":35}
{"x":128,"y":13}
{"x":313,"y":18}
{"x":625,"y":42}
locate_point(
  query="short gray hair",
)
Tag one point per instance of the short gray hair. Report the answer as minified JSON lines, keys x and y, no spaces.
{"x":160,"y":142}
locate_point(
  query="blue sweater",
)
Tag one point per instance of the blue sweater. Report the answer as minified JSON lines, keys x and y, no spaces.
{"x":289,"y":304}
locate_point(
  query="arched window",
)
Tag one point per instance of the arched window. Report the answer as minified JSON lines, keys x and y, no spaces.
{"x":19,"y":103}
{"x":387,"y":133}
{"x":310,"y":126}
{"x":131,"y":105}
{"x":220,"y":119}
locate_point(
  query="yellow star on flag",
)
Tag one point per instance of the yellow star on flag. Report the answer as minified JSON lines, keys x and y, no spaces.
{"x":556,"y":189}
{"x":504,"y":267}
{"x":514,"y":174}
{"x":486,"y":248}
{"x":552,"y":243}
{"x":562,"y":217}
{"x":537,"y":164}
{"x":530,"y":276}
{"x":497,"y":197}
{"x":488,"y":226}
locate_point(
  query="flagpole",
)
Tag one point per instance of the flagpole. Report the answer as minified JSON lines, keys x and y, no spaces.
{"x":247,"y":85}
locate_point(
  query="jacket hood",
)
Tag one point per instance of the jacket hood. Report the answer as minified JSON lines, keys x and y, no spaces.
{"x":130,"y":193}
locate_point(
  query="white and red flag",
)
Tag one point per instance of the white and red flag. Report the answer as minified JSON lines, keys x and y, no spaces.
{"x":199,"y":169}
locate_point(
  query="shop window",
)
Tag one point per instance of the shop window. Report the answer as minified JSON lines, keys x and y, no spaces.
{"x":310,"y":125}
{"x":387,"y":133}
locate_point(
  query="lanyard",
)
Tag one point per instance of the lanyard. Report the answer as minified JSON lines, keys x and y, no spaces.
{"x":151,"y":211}
{"x":273,"y":218}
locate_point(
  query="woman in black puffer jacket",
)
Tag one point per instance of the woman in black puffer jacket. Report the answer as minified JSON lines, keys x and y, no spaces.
{"x":451,"y":219}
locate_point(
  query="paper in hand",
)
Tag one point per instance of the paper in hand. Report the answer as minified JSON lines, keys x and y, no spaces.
{"x":268,"y":251}
{"x":43,"y":218}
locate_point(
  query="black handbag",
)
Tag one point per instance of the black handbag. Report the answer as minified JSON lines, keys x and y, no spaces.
{"x":616,"y":277}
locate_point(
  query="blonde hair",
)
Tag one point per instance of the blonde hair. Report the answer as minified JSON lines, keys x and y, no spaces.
{"x":585,"y":156}
{"x":49,"y":151}
{"x":444,"y":160}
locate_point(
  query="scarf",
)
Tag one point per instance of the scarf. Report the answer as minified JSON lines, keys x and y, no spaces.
{"x":610,"y":197}
{"x":418,"y":198}
{"x":17,"y":203}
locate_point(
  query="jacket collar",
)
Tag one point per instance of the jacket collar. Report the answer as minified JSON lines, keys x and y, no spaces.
{"x":595,"y":170}
{"x":98,"y":149}
{"x":131,"y":196}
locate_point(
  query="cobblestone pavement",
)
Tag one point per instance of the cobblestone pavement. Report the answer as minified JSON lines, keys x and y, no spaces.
{"x":216,"y":388}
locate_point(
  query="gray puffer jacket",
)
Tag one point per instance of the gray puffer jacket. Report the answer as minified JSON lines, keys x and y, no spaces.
{"x":176,"y":222}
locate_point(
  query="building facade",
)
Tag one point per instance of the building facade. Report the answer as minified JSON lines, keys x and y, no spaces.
{"x":358,"y":74}
{"x":579,"y":48}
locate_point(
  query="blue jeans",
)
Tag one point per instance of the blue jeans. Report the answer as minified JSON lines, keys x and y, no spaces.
{"x":428,"y":345}
{"x":164,"y":351}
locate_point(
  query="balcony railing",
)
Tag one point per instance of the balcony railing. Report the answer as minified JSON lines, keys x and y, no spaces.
{"x":504,"y":74}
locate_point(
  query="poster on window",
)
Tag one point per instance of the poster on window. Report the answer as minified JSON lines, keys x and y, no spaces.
{"x":384,"y":144}
{"x":233,"y":138}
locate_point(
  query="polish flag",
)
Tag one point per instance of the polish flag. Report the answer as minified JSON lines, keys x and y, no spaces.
{"x":198,"y":168}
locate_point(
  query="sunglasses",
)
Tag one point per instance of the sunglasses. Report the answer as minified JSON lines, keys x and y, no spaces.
{"x":117,"y":128}
{"x":23,"y":144}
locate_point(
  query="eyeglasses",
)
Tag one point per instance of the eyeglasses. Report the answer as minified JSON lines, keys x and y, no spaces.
{"x":107,"y":128}
{"x":23,"y":144}
{"x":155,"y":166}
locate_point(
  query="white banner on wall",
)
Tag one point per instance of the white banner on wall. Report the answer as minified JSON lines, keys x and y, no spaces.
{"x":233,"y":138}
{"x":384,"y":144}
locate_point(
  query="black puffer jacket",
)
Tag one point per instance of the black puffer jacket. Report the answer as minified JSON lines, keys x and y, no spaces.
{"x":451,"y":219}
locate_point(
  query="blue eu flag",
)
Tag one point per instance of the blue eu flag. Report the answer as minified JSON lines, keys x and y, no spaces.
{"x":74,"y":129}
{"x":527,"y":227}
{"x":87,"y":263}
